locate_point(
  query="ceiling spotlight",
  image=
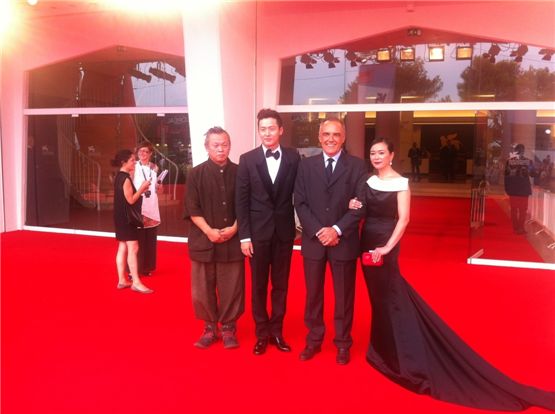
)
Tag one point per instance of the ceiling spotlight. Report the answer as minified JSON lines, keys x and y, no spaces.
{"x":383,"y":55}
{"x":547,"y":53}
{"x":521,"y":51}
{"x":492,"y":53}
{"x":308,"y":61}
{"x":352,"y":57}
{"x":140,"y":75}
{"x":464,"y":52}
{"x":162,"y":75}
{"x":330,"y":59}
{"x":436,"y":53}
{"x":407,"y":54}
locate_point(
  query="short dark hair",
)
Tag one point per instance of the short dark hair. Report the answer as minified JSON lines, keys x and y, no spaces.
{"x":122,"y":156}
{"x":519,"y":148}
{"x":380,"y":140}
{"x":269,"y":113}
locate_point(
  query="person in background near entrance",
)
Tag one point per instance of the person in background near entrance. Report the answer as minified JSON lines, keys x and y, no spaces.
{"x":448,"y":161}
{"x":518,"y":170}
{"x":409,"y":343}
{"x":265,"y":183}
{"x":145,"y":170}
{"x":415,"y":156}
{"x":217,"y":264}
{"x":325,"y":184}
{"x":126,"y":234}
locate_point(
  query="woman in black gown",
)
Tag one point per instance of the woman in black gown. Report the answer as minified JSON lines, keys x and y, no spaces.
{"x":409,"y":343}
{"x":127,"y":234}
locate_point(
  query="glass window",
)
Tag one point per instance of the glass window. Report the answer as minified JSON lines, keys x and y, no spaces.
{"x":463,"y":164}
{"x":115,"y":77}
{"x":372,"y":71}
{"x":70,"y":177}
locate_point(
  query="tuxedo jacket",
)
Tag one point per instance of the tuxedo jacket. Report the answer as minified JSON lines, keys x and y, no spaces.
{"x":264,"y":208}
{"x":320,"y":202}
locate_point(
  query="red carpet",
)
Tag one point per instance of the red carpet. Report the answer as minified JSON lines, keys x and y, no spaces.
{"x":72,"y":343}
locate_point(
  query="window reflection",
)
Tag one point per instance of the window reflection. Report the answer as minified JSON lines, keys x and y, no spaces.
{"x":463,"y":155}
{"x":113,"y":77}
{"x":363,"y":72}
{"x":70,"y":177}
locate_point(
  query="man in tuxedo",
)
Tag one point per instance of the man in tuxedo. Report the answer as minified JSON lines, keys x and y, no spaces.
{"x":264,"y":191}
{"x":325,"y":184}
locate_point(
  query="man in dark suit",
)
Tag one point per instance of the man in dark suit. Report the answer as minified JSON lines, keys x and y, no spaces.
{"x":325,"y":184}
{"x":264,"y":191}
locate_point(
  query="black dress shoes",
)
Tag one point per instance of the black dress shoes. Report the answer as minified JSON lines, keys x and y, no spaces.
{"x":260,"y":346}
{"x":309,"y":352}
{"x":343,"y":356}
{"x":280,"y":343}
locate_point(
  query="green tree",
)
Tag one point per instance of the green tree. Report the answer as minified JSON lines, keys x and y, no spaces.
{"x":506,"y":81}
{"x":411,"y":78}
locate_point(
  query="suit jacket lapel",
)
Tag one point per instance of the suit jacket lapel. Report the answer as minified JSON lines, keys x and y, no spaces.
{"x":339,"y":170}
{"x":262,"y":168}
{"x":283,"y":170}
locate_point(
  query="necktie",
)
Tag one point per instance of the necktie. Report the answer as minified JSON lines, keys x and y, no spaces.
{"x":269,"y":154}
{"x":329,"y":168}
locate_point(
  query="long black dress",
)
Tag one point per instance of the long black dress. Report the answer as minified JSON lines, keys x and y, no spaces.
{"x":124,"y":231}
{"x":409,"y":343}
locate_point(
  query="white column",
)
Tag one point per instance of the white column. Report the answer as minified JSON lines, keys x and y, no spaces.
{"x":201,"y":29}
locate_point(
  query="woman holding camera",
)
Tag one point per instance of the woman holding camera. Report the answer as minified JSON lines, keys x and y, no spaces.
{"x":145,"y":170}
{"x":126,"y":195}
{"x":409,"y":343}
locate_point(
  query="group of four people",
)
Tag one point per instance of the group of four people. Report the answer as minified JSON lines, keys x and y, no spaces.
{"x":247,"y":210}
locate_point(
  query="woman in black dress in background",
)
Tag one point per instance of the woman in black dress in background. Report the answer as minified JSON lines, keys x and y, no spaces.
{"x":126,"y":234}
{"x":409,"y":343}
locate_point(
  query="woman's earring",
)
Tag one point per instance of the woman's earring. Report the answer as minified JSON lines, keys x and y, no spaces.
{"x":390,"y":162}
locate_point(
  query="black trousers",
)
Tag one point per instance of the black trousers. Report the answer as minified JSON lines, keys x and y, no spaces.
{"x":343,"y":274}
{"x":271,"y":262}
{"x":146,"y":259}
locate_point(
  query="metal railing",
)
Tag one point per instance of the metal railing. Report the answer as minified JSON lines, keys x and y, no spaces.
{"x":478,"y":205}
{"x":541,"y":206}
{"x":80,"y":172}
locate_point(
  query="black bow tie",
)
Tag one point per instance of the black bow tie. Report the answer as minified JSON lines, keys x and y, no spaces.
{"x":269,"y":154}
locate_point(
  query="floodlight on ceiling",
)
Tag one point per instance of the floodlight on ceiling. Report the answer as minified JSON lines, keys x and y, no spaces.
{"x":330,"y":59}
{"x":159,"y":73}
{"x":464,"y":52}
{"x":436,"y":53}
{"x":352,"y":57}
{"x":140,"y":75}
{"x":492,"y":53}
{"x":308,"y":61}
{"x":547,"y":54}
{"x":383,"y":55}
{"x":407,"y":54}
{"x":519,"y":52}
